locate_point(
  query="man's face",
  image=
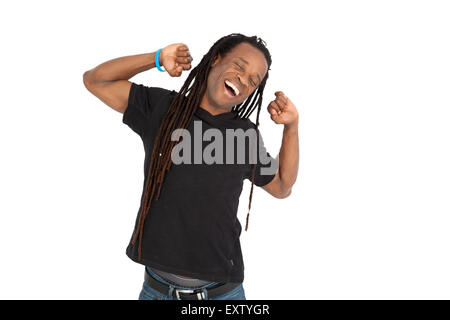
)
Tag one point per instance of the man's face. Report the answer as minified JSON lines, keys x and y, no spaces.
{"x":244,"y":66}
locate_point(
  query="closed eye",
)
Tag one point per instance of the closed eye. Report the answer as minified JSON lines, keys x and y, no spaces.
{"x":253,"y":83}
{"x":239,"y":66}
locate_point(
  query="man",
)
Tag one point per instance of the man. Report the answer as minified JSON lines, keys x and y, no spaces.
{"x":190,"y":241}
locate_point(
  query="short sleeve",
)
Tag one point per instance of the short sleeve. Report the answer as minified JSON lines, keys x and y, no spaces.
{"x":143,"y":103}
{"x":266,"y":166}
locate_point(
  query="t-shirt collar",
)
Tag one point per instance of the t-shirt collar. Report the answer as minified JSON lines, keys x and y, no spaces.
{"x":221,"y":116}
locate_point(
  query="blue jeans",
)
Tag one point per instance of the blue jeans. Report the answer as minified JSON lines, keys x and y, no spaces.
{"x":148,"y":293}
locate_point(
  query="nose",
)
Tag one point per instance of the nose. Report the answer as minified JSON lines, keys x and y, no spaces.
{"x":242,"y":84}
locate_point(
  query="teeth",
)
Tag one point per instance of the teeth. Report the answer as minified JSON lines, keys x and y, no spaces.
{"x":236,"y":91}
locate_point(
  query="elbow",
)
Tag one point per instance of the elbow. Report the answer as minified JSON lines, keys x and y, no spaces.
{"x":87,"y":80}
{"x":284,"y":194}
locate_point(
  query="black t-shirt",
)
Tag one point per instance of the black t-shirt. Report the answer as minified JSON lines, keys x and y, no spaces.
{"x":192,"y":229}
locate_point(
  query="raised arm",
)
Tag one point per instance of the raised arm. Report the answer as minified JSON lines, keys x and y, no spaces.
{"x":109,"y":80}
{"x":283,"y":111}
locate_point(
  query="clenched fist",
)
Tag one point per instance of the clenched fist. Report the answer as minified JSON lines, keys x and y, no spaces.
{"x":282,"y":110}
{"x":175,"y":58}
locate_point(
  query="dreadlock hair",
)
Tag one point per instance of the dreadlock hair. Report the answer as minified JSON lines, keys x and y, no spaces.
{"x":180,"y":114}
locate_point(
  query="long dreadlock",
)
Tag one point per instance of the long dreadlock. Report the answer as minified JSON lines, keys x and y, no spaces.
{"x":180,"y":114}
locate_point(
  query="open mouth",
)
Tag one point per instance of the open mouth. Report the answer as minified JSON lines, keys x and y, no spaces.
{"x":229,"y":90}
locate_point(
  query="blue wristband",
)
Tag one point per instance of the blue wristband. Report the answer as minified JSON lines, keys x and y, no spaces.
{"x":157,"y":61}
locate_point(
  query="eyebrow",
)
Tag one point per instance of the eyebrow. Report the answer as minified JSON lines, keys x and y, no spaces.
{"x":246,"y":62}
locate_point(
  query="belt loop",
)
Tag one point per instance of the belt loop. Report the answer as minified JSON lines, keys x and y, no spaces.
{"x":170,"y":292}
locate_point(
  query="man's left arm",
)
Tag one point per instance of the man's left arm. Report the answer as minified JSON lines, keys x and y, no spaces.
{"x":283,"y":111}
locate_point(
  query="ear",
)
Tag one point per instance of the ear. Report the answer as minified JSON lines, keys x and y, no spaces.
{"x":216,"y":60}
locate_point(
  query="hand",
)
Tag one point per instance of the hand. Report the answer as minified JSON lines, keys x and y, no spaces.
{"x":175,"y":58}
{"x":282,"y":110}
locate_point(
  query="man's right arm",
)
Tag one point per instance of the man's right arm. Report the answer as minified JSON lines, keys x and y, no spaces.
{"x":109,"y":80}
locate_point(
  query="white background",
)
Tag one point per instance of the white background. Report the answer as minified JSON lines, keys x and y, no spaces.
{"x":369,"y":215}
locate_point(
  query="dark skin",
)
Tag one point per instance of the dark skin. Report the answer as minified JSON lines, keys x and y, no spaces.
{"x":242,"y":57}
{"x":109,"y":82}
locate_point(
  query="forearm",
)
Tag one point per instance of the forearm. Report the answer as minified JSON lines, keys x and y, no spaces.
{"x":289,"y":157}
{"x":122,"y":68}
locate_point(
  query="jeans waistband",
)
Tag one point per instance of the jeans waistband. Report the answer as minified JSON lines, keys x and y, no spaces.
{"x":160,"y":279}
